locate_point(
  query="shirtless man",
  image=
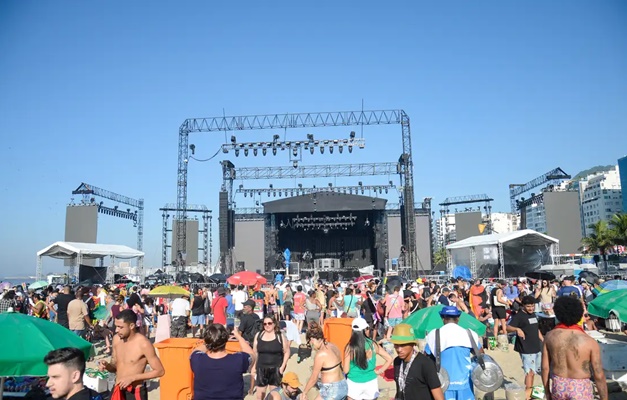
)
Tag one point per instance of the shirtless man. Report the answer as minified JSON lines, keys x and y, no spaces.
{"x":132,"y":351}
{"x":571,"y":356}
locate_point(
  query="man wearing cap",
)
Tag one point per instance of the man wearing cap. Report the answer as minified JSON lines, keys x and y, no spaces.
{"x":414,"y":373}
{"x":248,"y":320}
{"x":290,"y":388}
{"x":455,"y":349}
{"x":568,"y":289}
{"x":218,"y":306}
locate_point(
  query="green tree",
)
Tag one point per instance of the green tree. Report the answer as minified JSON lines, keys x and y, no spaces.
{"x":618,"y":225}
{"x":440,"y":257}
{"x":599,"y":240}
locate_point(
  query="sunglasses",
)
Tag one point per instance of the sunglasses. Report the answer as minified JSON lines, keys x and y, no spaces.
{"x":268,"y":323}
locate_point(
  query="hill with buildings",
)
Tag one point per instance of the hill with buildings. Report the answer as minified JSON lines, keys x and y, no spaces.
{"x":593,"y":170}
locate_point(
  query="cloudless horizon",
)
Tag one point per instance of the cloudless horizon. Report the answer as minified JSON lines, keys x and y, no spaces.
{"x":497,"y":92}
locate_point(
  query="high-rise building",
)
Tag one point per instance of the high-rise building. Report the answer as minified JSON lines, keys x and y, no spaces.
{"x":601,"y":197}
{"x":504,"y":222}
{"x":622,"y":170}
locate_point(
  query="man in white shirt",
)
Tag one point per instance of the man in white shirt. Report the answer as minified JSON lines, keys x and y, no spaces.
{"x":180,"y":311}
{"x":239,"y":297}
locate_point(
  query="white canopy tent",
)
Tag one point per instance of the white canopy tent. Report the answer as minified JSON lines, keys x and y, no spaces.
{"x":525,"y":249}
{"x":77,"y":252}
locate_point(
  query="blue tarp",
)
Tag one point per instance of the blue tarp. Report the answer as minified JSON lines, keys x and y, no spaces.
{"x":461,"y":272}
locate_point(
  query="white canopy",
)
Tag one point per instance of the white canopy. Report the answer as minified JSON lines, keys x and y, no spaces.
{"x":88,"y":251}
{"x":528,"y":236}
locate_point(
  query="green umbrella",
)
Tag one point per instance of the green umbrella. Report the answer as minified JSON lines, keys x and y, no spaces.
{"x":38,"y":285}
{"x":26,"y":340}
{"x":614,"y":302}
{"x":101,"y":312}
{"x":428,"y":319}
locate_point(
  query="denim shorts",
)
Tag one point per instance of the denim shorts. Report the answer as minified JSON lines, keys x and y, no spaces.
{"x":334,"y":390}
{"x":198,"y":320}
{"x":531,"y":362}
{"x":392,"y":322}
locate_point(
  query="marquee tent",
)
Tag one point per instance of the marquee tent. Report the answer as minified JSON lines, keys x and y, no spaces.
{"x":77,"y":252}
{"x":504,"y":255}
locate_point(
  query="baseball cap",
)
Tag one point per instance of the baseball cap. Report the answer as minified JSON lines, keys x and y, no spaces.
{"x":450,"y":311}
{"x":291,"y":379}
{"x":359,"y":324}
{"x":249,"y":303}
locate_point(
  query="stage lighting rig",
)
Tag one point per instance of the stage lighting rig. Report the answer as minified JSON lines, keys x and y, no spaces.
{"x":300,"y":190}
{"x":295,"y":146}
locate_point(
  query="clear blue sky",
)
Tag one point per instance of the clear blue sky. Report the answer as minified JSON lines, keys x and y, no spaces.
{"x":498,"y":93}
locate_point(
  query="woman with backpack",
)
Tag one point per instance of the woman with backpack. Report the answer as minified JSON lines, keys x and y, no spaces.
{"x":271,"y":352}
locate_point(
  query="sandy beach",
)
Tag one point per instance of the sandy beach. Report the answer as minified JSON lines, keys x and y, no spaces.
{"x":509,"y":361}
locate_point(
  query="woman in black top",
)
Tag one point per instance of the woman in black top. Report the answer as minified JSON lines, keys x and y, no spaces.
{"x":272,"y":351}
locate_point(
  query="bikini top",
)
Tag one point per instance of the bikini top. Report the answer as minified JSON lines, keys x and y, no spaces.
{"x":323,"y":369}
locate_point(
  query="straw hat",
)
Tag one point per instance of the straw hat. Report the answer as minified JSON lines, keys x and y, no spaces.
{"x":403,"y":334}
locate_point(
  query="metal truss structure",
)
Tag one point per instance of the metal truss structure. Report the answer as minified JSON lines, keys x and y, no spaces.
{"x":300,"y":190}
{"x":553,"y":177}
{"x":298,"y":120}
{"x":207,"y":234}
{"x":137,"y":217}
{"x":469,"y":199}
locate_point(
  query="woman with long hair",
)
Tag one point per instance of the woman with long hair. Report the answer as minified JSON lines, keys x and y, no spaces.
{"x":218,"y":374}
{"x":332,"y":307}
{"x":545,"y":294}
{"x":327,"y":365}
{"x":312,"y":308}
{"x":360,"y":361}
{"x":272,"y":351}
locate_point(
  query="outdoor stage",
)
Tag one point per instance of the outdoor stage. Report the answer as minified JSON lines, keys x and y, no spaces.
{"x":359,"y":231}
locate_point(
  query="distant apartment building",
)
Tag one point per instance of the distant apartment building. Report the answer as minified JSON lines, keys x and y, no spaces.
{"x":557,"y":213}
{"x":601,"y":197}
{"x":622,"y":171}
{"x":504,"y":222}
{"x":444,"y":231}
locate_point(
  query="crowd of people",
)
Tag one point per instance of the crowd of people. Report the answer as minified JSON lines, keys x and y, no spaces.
{"x":267,"y":321}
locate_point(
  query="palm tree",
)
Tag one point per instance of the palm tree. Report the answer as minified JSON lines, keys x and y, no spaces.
{"x":440,"y":257}
{"x":599,"y":239}
{"x":618,"y":225}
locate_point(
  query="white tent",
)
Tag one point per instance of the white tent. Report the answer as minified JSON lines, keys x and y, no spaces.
{"x":516,"y":252}
{"x":77,"y":252}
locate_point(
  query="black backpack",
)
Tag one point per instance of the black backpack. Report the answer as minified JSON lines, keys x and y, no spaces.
{"x":253,"y":331}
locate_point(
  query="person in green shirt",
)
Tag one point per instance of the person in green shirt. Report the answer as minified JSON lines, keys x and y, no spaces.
{"x":360,"y":362}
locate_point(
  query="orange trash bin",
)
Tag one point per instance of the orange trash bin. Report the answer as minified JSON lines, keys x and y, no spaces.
{"x":338,"y":331}
{"x":178,"y":381}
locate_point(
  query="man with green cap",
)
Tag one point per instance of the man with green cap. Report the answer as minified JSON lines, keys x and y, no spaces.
{"x":414,"y":373}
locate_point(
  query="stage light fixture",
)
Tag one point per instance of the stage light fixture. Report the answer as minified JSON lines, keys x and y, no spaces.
{"x":274,"y":151}
{"x":331,"y":149}
{"x":350,"y":149}
{"x":233,"y":139}
{"x":255,"y":151}
{"x":311,"y":150}
{"x":310,"y":137}
{"x":341,"y":149}
{"x":352,"y":135}
{"x":236,"y":153}
{"x":246,"y":152}
{"x":321,"y":150}
{"x":264,"y":151}
{"x":275,"y":138}
{"x":274,"y":193}
{"x":192,"y":147}
{"x":295,"y":164}
{"x":295,"y":151}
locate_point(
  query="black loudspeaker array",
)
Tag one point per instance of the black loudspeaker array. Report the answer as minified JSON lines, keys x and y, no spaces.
{"x":223,"y":222}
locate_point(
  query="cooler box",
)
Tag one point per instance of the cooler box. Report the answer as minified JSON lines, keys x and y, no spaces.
{"x":338,"y":331}
{"x":178,"y":381}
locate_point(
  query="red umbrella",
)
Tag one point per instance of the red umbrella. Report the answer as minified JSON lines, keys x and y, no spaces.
{"x":364,"y":278}
{"x":246,"y":278}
